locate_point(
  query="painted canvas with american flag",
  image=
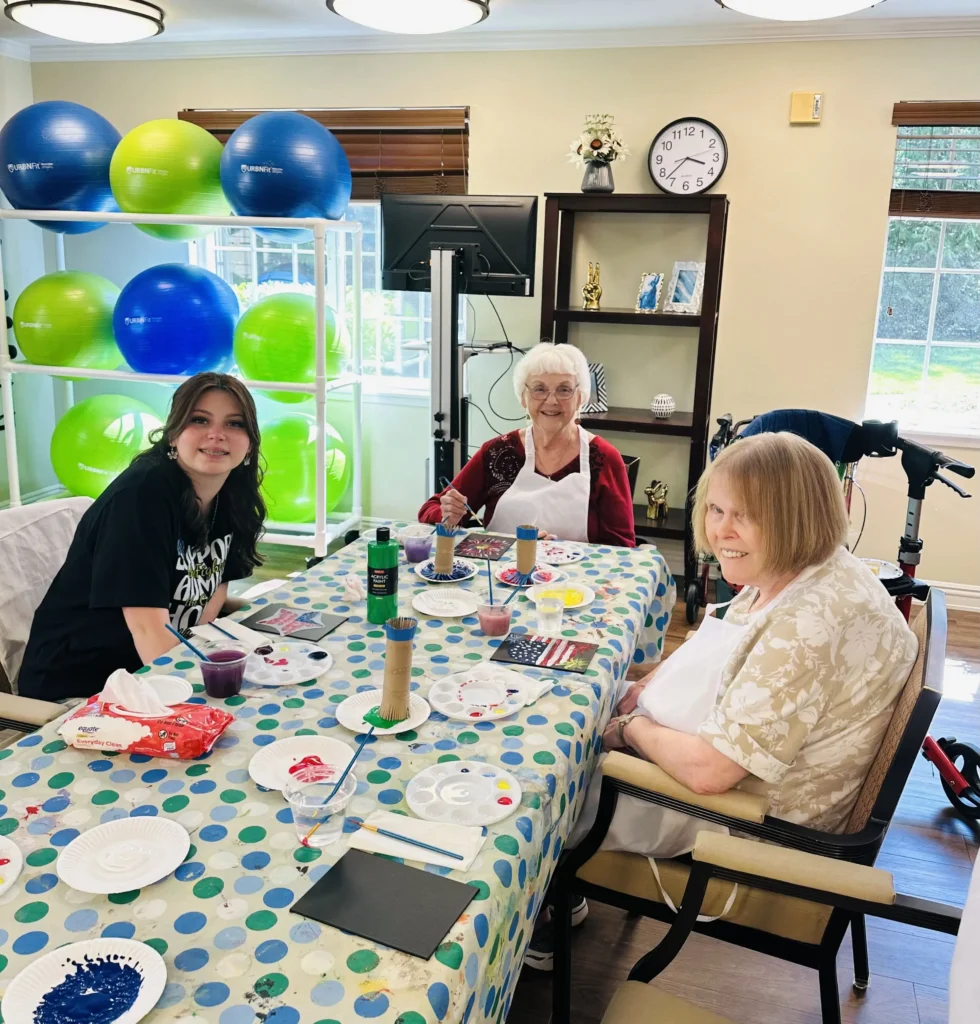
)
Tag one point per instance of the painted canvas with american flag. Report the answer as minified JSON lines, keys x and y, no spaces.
{"x":552,"y":652}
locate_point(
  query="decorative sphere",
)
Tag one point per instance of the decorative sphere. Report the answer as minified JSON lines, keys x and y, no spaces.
{"x":663,"y":407}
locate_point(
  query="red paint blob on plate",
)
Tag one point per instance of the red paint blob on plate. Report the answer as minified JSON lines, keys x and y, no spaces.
{"x":505,"y":800}
{"x":4,"y":860}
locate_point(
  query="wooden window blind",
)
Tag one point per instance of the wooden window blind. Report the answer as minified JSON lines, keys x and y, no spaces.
{"x":937,"y":160}
{"x":409,"y":150}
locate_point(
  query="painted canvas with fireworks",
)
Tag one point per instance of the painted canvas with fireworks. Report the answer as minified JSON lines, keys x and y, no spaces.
{"x":477,"y":545}
{"x":552,"y":652}
{"x":298,"y":623}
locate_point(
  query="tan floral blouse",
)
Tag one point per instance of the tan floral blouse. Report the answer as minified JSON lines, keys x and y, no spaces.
{"x":808,"y":694}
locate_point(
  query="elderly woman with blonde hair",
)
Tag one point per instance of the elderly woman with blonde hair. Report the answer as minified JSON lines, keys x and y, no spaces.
{"x":790,"y":694}
{"x":569,"y":483}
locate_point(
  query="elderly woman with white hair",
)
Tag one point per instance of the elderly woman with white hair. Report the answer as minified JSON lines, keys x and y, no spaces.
{"x":571,"y":484}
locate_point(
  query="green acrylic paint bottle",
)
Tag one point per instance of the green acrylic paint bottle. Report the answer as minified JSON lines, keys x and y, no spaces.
{"x":382,"y":587}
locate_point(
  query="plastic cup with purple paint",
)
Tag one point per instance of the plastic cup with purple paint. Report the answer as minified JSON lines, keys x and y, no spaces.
{"x":224,"y":670}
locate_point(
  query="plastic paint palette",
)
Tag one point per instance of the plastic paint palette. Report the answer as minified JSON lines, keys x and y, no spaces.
{"x":286,"y":663}
{"x":464,"y":793}
{"x":480,"y":695}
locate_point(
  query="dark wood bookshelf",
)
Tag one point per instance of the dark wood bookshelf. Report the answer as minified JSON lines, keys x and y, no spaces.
{"x":559,"y":308}
{"x":670,"y":528}
{"x":612,"y":315}
{"x":639,"y":421}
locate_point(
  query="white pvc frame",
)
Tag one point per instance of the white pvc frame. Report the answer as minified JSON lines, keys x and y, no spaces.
{"x":323,"y":532}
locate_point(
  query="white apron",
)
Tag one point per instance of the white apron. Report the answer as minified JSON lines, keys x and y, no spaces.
{"x":559,"y":507}
{"x":680,"y":696}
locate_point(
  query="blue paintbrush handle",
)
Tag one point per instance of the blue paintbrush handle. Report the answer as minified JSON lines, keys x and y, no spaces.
{"x":420,"y":844}
{"x":187,"y":642}
{"x":350,"y":764}
{"x":221,"y":629}
{"x":522,"y":581}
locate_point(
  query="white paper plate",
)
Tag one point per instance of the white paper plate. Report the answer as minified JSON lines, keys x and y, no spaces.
{"x":445,"y":603}
{"x":556,"y":552}
{"x":585,"y":595}
{"x":350,"y":713}
{"x":485,"y":693}
{"x":507,"y":575}
{"x":9,"y":872}
{"x":464,"y":793}
{"x":123,"y":855}
{"x":462,"y":570}
{"x":883,"y":570}
{"x":170,"y":689}
{"x":269,"y":768}
{"x":26,"y":992}
{"x":290,"y":662}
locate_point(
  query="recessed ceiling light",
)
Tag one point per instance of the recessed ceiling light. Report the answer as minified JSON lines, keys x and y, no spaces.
{"x":797,"y":10}
{"x":89,"y":21}
{"x":414,"y":17}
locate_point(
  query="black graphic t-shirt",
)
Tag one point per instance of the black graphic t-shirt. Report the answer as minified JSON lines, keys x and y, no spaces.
{"x":128,"y":552}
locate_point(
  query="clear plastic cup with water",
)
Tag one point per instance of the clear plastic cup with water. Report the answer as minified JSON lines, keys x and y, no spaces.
{"x":314,"y":808}
{"x":551,"y":609}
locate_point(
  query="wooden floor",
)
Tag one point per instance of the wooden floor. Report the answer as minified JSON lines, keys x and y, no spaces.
{"x":929,"y":850}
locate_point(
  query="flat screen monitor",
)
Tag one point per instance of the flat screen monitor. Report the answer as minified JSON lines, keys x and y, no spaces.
{"x":497,"y":234}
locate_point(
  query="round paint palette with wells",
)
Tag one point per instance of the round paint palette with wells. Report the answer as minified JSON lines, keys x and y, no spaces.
{"x":482,"y":694}
{"x":286,"y":663}
{"x":464,"y":793}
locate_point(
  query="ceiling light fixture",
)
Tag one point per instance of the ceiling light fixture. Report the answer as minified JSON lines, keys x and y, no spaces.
{"x":412,"y":17}
{"x":89,"y":21}
{"x":797,"y":10}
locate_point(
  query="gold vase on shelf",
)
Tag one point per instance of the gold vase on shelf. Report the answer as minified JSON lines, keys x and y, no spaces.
{"x":592,"y":292}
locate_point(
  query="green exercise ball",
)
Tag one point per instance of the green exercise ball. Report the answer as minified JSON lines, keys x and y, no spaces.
{"x":65,"y":319}
{"x":169,"y":166}
{"x":289,"y":485}
{"x":276,"y":340}
{"x":97,"y":439}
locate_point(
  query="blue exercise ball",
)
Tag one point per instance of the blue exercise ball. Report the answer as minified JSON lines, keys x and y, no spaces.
{"x":176,"y":319}
{"x":55,"y":155}
{"x":285,"y":164}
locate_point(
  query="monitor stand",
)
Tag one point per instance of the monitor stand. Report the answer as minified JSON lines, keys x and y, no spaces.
{"x":448,"y":409}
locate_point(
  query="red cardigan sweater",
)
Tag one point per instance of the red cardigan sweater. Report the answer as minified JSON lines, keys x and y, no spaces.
{"x":495,"y":467}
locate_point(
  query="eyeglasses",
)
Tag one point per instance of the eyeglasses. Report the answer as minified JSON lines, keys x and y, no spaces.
{"x":564,"y":392}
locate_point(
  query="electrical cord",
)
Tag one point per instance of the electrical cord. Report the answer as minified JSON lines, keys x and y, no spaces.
{"x":473,"y":405}
{"x":864,"y":519}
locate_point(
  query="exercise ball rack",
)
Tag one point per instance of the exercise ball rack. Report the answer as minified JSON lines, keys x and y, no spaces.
{"x":323,"y":530}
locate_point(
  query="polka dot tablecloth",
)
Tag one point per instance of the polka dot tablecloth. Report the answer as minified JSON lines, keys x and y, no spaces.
{"x":234,"y":952}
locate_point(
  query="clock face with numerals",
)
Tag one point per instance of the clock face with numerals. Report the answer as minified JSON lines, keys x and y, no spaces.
{"x":688,"y":157}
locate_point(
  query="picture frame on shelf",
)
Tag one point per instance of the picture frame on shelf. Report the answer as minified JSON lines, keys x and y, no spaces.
{"x":596,"y":401}
{"x":686,"y":288}
{"x":648,"y":298}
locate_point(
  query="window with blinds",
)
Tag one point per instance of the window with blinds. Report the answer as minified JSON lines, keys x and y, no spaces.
{"x":413,"y":151}
{"x":926,"y":366}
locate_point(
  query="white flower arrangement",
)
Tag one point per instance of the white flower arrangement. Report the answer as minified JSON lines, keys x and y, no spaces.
{"x":599,"y":141}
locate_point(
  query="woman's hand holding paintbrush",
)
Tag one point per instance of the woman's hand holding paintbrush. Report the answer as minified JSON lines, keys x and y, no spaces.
{"x":454,"y":506}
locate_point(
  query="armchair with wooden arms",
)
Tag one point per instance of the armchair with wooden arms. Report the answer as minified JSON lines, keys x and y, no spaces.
{"x":840,"y":886}
{"x":780,"y":923}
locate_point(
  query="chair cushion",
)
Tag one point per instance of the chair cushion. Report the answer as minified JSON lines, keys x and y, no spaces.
{"x":636,"y":1003}
{"x":34,"y":540}
{"x":785,"y":916}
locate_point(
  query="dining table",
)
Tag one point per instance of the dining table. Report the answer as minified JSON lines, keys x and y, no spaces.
{"x":234,"y":952}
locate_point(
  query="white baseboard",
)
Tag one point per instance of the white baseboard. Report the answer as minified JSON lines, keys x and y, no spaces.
{"x":41,"y":494}
{"x":963,"y":597}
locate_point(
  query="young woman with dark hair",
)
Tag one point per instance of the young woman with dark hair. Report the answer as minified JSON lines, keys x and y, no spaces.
{"x":158,"y":547}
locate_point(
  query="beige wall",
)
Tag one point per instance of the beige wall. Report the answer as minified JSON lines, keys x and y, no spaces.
{"x":808,"y":204}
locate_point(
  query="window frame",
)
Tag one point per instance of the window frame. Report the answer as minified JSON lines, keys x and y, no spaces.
{"x":374,"y":381}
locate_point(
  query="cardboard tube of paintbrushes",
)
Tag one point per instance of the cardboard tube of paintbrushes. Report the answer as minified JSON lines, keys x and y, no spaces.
{"x":527,"y":549}
{"x":445,"y":545}
{"x":398,"y":668}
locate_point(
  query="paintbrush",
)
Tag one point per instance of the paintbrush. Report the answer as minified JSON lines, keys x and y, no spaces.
{"x":411,"y":842}
{"x":445,"y":483}
{"x":343,"y":775}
